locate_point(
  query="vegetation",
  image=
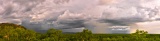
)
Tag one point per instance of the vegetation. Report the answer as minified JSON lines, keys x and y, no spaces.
{"x":13,"y":32}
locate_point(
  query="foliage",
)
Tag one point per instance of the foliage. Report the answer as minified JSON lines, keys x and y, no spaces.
{"x":53,"y":35}
{"x":85,"y":35}
{"x":9,"y":33}
{"x":139,"y":35}
{"x":13,"y":32}
{"x":5,"y":25}
{"x":140,"y":32}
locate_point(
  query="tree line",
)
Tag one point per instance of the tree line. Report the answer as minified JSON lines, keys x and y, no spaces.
{"x":13,"y":32}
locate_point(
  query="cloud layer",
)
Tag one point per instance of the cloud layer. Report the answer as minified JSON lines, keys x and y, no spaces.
{"x":72,"y":14}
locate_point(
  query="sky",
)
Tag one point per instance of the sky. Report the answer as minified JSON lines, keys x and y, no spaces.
{"x":75,"y":15}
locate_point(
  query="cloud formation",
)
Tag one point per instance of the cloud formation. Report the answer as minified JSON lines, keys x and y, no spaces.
{"x":70,"y":14}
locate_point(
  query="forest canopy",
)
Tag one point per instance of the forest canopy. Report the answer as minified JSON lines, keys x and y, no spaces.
{"x":14,"y":32}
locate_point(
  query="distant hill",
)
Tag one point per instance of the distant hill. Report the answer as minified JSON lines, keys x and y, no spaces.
{"x":4,"y":25}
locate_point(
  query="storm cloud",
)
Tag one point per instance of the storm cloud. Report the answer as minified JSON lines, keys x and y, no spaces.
{"x":73,"y":14}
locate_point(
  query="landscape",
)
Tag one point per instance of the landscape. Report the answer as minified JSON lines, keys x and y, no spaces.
{"x":13,"y":32}
{"x":79,"y":20}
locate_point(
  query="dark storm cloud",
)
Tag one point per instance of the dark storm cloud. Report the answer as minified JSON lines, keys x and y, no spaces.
{"x":45,"y":14}
{"x":123,"y":21}
{"x":71,"y":24}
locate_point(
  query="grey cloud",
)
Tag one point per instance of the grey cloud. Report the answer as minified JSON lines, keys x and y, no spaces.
{"x":8,"y":11}
{"x":68,"y":24}
{"x":45,"y":14}
{"x":123,"y":21}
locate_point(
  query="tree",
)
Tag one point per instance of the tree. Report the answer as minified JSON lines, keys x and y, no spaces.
{"x":53,"y":35}
{"x":13,"y":32}
{"x":140,"y":32}
{"x":5,"y":25}
{"x":85,"y":35}
{"x":139,"y":35}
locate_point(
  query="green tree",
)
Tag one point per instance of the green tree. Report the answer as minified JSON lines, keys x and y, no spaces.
{"x":13,"y":32}
{"x":140,"y":32}
{"x":139,"y":35}
{"x":53,"y":35}
{"x":85,"y":35}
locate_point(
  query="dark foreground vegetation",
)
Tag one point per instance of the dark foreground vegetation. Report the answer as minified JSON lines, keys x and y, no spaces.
{"x":13,"y":32}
